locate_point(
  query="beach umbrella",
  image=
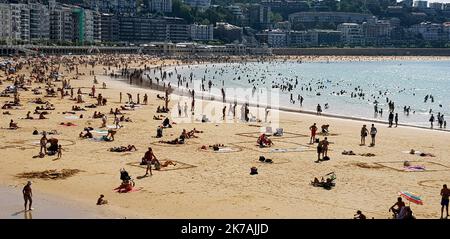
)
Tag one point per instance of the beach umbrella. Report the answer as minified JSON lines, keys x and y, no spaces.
{"x":411,"y":197}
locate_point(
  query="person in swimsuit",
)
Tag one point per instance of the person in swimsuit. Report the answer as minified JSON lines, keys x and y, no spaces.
{"x":325,"y":144}
{"x":400,"y":204}
{"x":313,"y":129}
{"x":364,"y":133}
{"x":148,"y":158}
{"x":27,"y":195}
{"x":101,"y":200}
{"x":319,"y":150}
{"x":445,"y":193}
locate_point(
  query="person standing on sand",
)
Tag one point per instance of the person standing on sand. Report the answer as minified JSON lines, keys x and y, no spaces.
{"x":120,"y":97}
{"x":148,"y":158}
{"x":325,"y":144}
{"x":59,"y":151}
{"x":445,"y":193}
{"x":373,"y":133}
{"x":43,"y":143}
{"x":313,"y":129}
{"x":319,"y":150}
{"x":364,"y":133}
{"x":93,"y":91}
{"x":145,"y":99}
{"x":27,"y":196}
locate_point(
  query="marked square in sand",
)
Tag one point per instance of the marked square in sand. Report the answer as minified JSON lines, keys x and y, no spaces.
{"x":429,"y":166}
{"x":179,"y":166}
{"x":278,"y":147}
{"x":286,"y":135}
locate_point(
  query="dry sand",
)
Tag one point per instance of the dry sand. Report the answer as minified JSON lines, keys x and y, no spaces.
{"x":218,"y":185}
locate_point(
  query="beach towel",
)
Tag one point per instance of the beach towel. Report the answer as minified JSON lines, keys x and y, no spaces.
{"x":114,"y":127}
{"x":71,"y":117}
{"x":100,"y":131}
{"x":225,"y":150}
{"x":416,"y":168}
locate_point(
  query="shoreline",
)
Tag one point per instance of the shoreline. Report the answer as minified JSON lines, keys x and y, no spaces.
{"x":205,"y":96}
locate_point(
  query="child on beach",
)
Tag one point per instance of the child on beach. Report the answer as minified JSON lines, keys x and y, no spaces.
{"x":59,"y":151}
{"x":101,"y":201}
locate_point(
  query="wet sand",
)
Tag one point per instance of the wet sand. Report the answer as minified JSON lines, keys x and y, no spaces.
{"x":47,"y":206}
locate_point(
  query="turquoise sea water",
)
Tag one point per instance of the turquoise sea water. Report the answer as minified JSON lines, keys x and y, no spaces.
{"x":406,"y":83}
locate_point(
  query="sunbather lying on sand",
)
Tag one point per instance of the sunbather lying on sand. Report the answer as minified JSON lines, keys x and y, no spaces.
{"x":422,"y":154}
{"x":88,"y":134}
{"x":327,"y":184}
{"x":97,"y":115}
{"x":91,"y":106}
{"x":350,"y":152}
{"x":158,"y":165}
{"x":123,"y":148}
{"x":123,"y":119}
{"x":179,"y":140}
{"x":77,"y":108}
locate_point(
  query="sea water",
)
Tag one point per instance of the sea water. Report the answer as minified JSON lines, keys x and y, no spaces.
{"x":406,"y":83}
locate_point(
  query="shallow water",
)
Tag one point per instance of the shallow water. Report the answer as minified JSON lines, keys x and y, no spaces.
{"x":406,"y":83}
{"x":45,"y":207}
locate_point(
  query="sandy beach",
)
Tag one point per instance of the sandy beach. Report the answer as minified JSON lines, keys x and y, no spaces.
{"x":208,"y":184}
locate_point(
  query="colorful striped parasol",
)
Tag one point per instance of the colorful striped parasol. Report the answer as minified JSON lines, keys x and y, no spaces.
{"x":411,"y":197}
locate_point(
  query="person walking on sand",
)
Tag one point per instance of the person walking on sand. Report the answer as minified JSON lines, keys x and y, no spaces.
{"x":373,"y":134}
{"x":313,"y":129}
{"x":364,"y":133}
{"x":27,"y":196}
{"x":445,"y":193}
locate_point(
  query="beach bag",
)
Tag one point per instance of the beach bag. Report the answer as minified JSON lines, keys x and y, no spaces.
{"x":262,"y":158}
{"x":317,"y":140}
{"x":35,"y":132}
{"x":269,"y":161}
{"x":253,"y":171}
